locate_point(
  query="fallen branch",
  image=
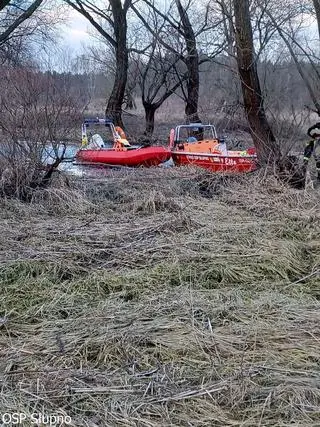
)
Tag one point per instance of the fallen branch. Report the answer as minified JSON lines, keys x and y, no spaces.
{"x":314,"y":273}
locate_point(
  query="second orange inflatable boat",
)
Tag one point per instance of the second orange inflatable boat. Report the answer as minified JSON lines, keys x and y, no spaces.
{"x":197,"y":144}
{"x":110,"y":147}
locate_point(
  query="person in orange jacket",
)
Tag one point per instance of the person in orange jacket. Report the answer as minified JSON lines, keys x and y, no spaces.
{"x":120,"y":132}
{"x":121,"y":143}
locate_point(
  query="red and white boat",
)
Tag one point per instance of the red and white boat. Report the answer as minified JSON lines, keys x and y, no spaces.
{"x":111,"y":147}
{"x":197,"y":144}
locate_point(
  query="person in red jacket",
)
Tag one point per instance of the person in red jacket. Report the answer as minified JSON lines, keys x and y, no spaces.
{"x":313,"y":147}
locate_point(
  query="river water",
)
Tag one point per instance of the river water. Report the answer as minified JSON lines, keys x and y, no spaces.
{"x":72,"y":167}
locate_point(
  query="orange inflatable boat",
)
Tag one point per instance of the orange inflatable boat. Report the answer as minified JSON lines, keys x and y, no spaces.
{"x":197,"y":144}
{"x":111,"y":147}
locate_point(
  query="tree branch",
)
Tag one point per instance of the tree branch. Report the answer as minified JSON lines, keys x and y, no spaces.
{"x":4,"y":3}
{"x":79,"y":8}
{"x":155,"y":34}
{"x":164,"y":16}
{"x":23,"y":17}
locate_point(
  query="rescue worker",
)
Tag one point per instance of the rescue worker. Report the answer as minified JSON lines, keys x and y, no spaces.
{"x":120,"y":132}
{"x":197,"y":132}
{"x":222,"y":147}
{"x":313,"y":147}
{"x":191,"y":139}
{"x":121,"y":141}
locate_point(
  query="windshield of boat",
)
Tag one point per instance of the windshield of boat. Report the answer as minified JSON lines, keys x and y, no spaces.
{"x":193,"y":133}
{"x":105,"y":132}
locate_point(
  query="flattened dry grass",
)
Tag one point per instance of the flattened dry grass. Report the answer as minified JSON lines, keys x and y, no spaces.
{"x":162,"y":298}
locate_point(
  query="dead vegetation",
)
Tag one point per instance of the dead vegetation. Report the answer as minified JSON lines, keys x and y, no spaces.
{"x":162,"y":298}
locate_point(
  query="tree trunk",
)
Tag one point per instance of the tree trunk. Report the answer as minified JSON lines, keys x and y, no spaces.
{"x":268,"y":150}
{"x":191,"y":109}
{"x":4,"y":3}
{"x":150,"y":110}
{"x":114,"y":105}
{"x":192,"y":63}
{"x":316,"y":4}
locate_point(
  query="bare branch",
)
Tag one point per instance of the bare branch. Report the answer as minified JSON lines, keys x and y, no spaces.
{"x":154,"y":33}
{"x":23,"y":17}
{"x":78,"y":6}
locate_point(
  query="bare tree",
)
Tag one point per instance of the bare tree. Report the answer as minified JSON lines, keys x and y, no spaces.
{"x":13,"y":15}
{"x":287,"y":23}
{"x":262,"y":135}
{"x":316,"y":5}
{"x":192,"y":63}
{"x":181,"y":40}
{"x":301,"y":69}
{"x":111,"y":23}
{"x":226,"y":9}
{"x":28,"y":27}
{"x":39,"y":112}
{"x":157,"y":81}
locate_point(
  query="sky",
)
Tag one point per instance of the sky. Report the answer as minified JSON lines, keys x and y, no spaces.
{"x":75,"y":32}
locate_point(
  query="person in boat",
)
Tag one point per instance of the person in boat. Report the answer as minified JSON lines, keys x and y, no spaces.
{"x":120,"y":132}
{"x":313,"y":147}
{"x":191,"y":139}
{"x":96,"y":142}
{"x":197,"y":132}
{"x":123,"y":142}
{"x":195,"y":135}
{"x":120,"y":143}
{"x":222,"y":147}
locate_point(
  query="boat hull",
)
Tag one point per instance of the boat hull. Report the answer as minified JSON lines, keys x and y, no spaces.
{"x":147,"y":157}
{"x":216,"y":163}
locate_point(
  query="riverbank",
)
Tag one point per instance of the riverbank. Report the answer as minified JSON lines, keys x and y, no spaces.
{"x":164,"y":297}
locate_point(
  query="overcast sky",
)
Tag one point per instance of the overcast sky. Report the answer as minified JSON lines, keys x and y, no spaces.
{"x":75,"y":33}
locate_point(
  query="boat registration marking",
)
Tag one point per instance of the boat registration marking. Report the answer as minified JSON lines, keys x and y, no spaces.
{"x":191,"y":158}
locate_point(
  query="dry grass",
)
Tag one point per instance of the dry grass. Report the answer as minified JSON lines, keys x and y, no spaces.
{"x":162,"y":298}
